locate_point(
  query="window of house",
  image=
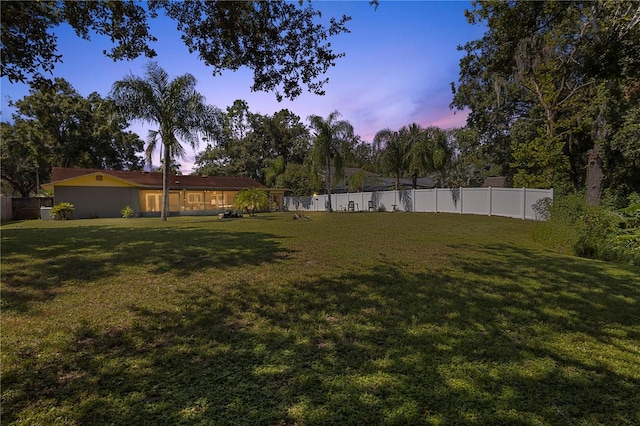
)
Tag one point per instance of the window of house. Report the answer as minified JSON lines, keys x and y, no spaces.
{"x":193,"y":198}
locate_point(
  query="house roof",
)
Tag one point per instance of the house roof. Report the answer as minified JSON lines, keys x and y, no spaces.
{"x":384,"y":184}
{"x":495,"y":182}
{"x":375,"y":182}
{"x":153,"y":180}
{"x":350,"y":171}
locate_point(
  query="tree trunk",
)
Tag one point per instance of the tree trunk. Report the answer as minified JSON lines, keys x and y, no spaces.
{"x":329,"y":183}
{"x":594,"y":176}
{"x":165,"y":184}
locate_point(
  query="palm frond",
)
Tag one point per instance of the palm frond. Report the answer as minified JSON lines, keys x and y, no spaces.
{"x":153,"y":138}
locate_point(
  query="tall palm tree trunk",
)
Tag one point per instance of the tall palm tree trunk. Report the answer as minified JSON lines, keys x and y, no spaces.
{"x":329,"y":183}
{"x":165,"y":184}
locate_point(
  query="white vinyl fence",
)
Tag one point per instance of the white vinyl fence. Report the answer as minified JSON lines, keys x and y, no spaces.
{"x":509,"y":202}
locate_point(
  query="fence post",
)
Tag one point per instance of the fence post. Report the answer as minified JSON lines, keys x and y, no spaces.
{"x":413,"y":200}
{"x":490,"y":201}
{"x":460,"y":189}
{"x":436,"y":201}
{"x":524,"y":203}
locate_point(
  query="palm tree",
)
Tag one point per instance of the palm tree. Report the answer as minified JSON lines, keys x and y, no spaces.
{"x":441,"y":151}
{"x":421,"y":161}
{"x":252,"y":200}
{"x":331,"y":137}
{"x":174,"y":106}
{"x":392,"y":148}
{"x":413,"y":136}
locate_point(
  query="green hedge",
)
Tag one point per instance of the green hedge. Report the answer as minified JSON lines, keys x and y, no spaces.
{"x":593,"y":231}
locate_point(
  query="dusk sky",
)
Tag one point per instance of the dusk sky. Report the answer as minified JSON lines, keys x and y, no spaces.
{"x":399,"y":64}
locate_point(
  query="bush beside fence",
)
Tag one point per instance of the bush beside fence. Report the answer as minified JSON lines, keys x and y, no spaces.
{"x":509,"y":202}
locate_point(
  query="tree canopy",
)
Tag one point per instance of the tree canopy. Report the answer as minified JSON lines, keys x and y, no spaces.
{"x":55,"y":126}
{"x":547,"y":82}
{"x":284,"y":43}
{"x":254,"y":145}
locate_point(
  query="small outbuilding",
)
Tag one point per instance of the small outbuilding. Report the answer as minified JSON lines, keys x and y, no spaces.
{"x":104,"y":193}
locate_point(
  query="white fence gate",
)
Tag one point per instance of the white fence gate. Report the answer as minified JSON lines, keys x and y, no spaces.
{"x":508,"y":202}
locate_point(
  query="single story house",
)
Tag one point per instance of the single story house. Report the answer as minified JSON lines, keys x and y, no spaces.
{"x":104,"y":193}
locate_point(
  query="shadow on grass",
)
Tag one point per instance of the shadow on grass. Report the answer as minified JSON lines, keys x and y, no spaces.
{"x":507,"y":336}
{"x":52,"y":257}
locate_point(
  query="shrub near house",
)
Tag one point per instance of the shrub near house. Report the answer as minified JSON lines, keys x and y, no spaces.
{"x":127,"y":212}
{"x":62,"y":211}
{"x":252,"y":200}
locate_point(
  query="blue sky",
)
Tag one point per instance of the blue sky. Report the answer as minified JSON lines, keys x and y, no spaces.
{"x":399,"y":64}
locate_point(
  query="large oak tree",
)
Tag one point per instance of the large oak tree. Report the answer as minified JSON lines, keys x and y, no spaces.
{"x":547,"y":82}
{"x":286,"y":44}
{"x":54,"y":126}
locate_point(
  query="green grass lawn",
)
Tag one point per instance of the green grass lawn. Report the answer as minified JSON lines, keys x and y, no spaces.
{"x":344,"y":319}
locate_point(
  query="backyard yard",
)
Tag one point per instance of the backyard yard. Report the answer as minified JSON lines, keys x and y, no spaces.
{"x":344,"y":319}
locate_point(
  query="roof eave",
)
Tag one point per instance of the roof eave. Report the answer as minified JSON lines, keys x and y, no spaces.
{"x":106,"y":172}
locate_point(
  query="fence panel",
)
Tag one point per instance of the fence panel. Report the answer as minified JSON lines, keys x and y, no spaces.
{"x":448,"y":200}
{"x":387,"y":200}
{"x":532,"y":197}
{"x":366,"y":199}
{"x":28,"y":208}
{"x":299,"y":203}
{"x":340,"y":202}
{"x":476,"y":201}
{"x":424,"y":200}
{"x":509,"y":202}
{"x":506,"y":202}
{"x":6,"y":209}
